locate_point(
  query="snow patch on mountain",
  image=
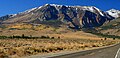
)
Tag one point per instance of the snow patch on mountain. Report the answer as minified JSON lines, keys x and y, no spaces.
{"x":113,"y":12}
{"x":39,"y":7}
{"x":28,"y":11}
{"x":99,"y":11}
{"x":55,"y":5}
{"x":13,"y":15}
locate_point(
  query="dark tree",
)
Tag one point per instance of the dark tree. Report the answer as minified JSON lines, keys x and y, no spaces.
{"x":23,"y":35}
{"x":105,"y":39}
{"x":113,"y":38}
{"x":58,"y":37}
{"x":52,"y":37}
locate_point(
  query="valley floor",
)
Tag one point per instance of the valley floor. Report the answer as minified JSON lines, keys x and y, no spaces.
{"x":24,"y":47}
{"x":58,"y":40}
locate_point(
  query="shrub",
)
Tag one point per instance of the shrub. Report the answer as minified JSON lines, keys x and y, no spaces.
{"x":105,"y":39}
{"x":43,"y":37}
{"x":59,"y":37}
{"x":52,"y":37}
{"x":113,"y":38}
{"x":47,"y":37}
{"x":23,"y":35}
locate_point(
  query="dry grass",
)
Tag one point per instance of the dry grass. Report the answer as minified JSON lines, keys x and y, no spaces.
{"x":21,"y":47}
{"x":68,"y":40}
{"x":21,"y":26}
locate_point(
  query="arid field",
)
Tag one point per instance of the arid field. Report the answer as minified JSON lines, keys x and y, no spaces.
{"x":14,"y":48}
{"x":51,"y":40}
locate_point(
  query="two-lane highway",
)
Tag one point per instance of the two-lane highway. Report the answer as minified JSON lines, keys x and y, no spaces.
{"x":108,"y":52}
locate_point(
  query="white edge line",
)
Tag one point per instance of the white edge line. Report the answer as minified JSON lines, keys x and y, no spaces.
{"x":117,"y":53}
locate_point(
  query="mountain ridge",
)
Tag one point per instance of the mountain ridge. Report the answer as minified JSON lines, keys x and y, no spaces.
{"x":31,"y":9}
{"x":72,"y":16}
{"x":113,"y":12}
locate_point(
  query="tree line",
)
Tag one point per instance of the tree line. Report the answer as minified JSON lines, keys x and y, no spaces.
{"x":26,"y":37}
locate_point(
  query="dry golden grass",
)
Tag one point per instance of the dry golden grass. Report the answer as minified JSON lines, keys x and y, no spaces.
{"x":68,"y":40}
{"x":24,"y":26}
{"x":21,"y":26}
{"x":21,"y":47}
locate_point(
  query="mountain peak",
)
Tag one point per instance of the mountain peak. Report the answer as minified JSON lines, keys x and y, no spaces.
{"x":55,"y":5}
{"x":113,"y":12}
{"x":47,"y":4}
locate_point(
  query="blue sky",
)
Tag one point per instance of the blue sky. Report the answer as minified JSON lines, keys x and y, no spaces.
{"x":15,"y":6}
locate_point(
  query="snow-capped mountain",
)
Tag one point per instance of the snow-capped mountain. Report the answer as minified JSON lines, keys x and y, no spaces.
{"x":113,"y":12}
{"x":73,"y":16}
{"x":88,"y":8}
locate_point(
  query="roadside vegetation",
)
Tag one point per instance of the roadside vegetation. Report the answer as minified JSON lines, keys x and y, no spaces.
{"x":14,"y":48}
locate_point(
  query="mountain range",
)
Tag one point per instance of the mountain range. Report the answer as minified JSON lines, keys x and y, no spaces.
{"x":72,"y":16}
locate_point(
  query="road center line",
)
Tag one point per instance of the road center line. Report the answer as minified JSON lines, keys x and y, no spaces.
{"x":117,"y":53}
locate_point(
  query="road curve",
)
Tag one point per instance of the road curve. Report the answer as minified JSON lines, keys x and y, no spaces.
{"x":108,"y":52}
{"x":118,"y":54}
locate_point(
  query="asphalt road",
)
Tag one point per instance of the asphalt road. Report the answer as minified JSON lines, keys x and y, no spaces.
{"x":109,"y":52}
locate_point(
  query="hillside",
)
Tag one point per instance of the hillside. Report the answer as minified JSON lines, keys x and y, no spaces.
{"x":111,"y":28}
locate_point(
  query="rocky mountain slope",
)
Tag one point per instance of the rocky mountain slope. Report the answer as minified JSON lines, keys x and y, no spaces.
{"x":111,"y":28}
{"x":72,"y":16}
